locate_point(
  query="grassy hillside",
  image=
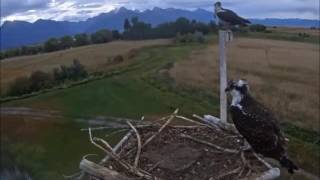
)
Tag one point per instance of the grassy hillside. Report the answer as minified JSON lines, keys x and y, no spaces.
{"x":94,"y":57}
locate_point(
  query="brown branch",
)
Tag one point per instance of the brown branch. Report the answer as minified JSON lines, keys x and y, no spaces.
{"x":136,"y":161}
{"x":192,"y":121}
{"x":117,"y":147}
{"x":157,"y":133}
{"x":136,"y":171}
{"x":229,"y":173}
{"x":100,"y":171}
{"x":209,"y":144}
{"x":162,"y":128}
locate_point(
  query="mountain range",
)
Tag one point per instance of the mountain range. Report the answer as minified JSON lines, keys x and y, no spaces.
{"x":18,"y":33}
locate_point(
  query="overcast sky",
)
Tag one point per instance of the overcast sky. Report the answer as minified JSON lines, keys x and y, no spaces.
{"x":75,"y":10}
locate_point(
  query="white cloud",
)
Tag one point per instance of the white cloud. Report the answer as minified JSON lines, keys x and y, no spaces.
{"x":75,"y":10}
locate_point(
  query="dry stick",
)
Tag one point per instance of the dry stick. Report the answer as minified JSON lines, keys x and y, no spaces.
{"x":118,"y":146}
{"x":263,"y":161}
{"x":229,"y":173}
{"x":192,"y":121}
{"x":162,"y":128}
{"x":136,"y":160}
{"x":245,"y":164}
{"x":159,"y":131}
{"x":155,"y":166}
{"x":211,"y":125}
{"x":116,"y":132}
{"x":210,"y":144}
{"x":72,"y":176}
{"x":110,"y":148}
{"x":188,"y":127}
{"x":117,"y":158}
{"x":124,"y":127}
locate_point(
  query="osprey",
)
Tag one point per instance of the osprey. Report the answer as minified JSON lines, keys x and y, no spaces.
{"x":227,"y":18}
{"x":257,"y":125}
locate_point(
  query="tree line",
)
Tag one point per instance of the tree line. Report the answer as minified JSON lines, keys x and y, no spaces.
{"x":65,"y":42}
{"x":39,"y":80}
{"x":134,"y":29}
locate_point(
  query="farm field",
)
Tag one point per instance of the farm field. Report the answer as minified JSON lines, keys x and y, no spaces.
{"x":283,"y":75}
{"x":157,"y":80}
{"x":94,"y":57}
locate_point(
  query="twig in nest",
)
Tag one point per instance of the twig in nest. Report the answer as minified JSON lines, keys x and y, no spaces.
{"x":210,"y":144}
{"x":127,"y":166}
{"x":75,"y":175}
{"x":136,"y":160}
{"x":155,"y":166}
{"x":245,"y":164}
{"x":116,"y":132}
{"x":117,"y":147}
{"x":157,"y":133}
{"x":192,"y":121}
{"x":262,"y":161}
{"x":229,"y":173}
{"x":162,"y":128}
{"x":211,"y":125}
{"x":188,"y":127}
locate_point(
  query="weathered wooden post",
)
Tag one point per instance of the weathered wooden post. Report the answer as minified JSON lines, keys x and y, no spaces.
{"x":223,"y":38}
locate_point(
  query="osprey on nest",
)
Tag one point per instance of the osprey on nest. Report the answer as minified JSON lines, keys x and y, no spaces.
{"x":227,"y":18}
{"x":257,"y":125}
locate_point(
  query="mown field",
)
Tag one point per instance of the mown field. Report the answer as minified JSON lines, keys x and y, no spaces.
{"x":283,"y":75}
{"x":94,"y":57}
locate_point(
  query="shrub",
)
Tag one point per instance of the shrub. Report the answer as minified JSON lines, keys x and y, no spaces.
{"x":118,"y":59}
{"x":257,"y":28}
{"x":199,"y":37}
{"x":188,"y":38}
{"x":40,"y":80}
{"x":77,"y":71}
{"x":20,"y":86}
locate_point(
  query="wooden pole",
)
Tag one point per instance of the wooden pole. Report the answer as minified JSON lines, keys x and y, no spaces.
{"x":223,"y":74}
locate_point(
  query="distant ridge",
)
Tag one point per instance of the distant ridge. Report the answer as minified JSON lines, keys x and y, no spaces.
{"x":18,"y":33}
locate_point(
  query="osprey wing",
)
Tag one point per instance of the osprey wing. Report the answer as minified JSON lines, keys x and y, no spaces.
{"x":265,"y":119}
{"x":231,"y":17}
{"x":260,"y":135}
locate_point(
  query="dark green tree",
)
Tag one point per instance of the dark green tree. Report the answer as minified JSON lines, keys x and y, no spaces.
{"x":51,"y":45}
{"x":116,"y":35}
{"x":66,"y":42}
{"x":134,"y":20}
{"x":101,"y":36}
{"x":127,"y":25}
{"x":257,"y":28}
{"x":81,"y":39}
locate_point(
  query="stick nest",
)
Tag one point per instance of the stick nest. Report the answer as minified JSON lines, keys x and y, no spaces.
{"x":164,"y":150}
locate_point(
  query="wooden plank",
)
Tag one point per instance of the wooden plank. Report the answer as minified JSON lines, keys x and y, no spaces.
{"x":223,"y":74}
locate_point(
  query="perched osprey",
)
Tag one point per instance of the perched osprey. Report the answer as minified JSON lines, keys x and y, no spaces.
{"x":257,"y":125}
{"x":227,"y":18}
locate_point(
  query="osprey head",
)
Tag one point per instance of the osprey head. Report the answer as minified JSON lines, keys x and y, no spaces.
{"x":217,"y":4}
{"x":238,"y":90}
{"x":239,"y":87}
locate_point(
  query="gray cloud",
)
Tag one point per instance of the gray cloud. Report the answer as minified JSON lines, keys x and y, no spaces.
{"x":74,"y":10}
{"x":9,"y":7}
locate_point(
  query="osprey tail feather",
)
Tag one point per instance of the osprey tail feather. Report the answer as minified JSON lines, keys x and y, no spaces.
{"x":287,"y":163}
